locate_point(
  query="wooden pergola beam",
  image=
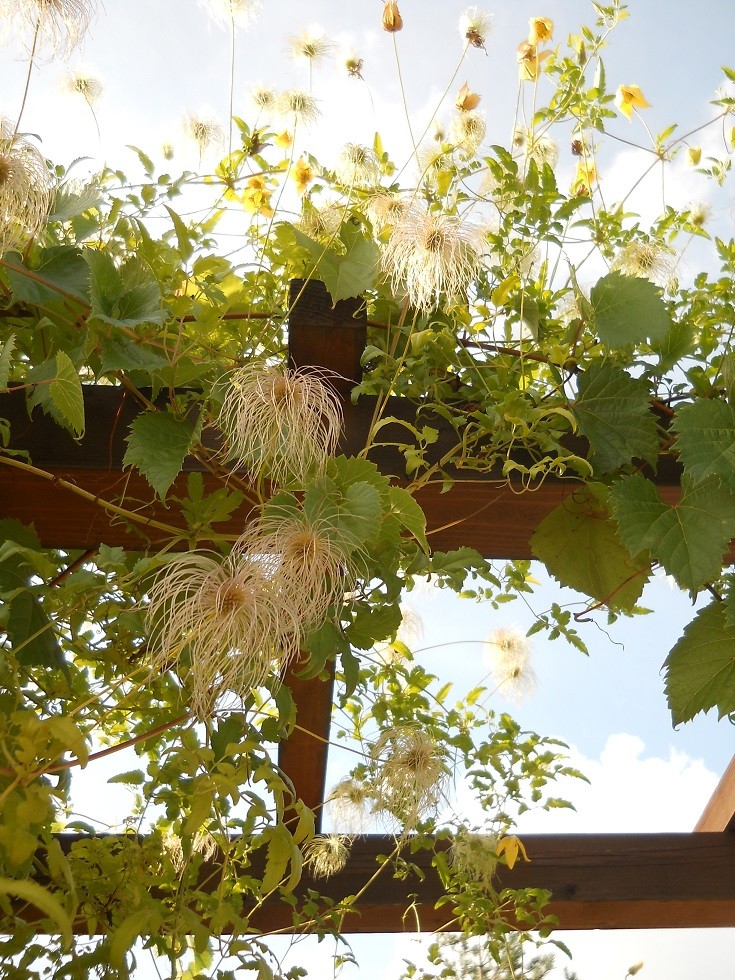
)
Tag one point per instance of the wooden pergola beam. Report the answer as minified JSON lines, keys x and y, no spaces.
{"x":719,"y":814}
{"x":598,"y":881}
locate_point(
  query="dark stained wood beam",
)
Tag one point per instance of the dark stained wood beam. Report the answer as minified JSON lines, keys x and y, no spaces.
{"x":719,"y":814}
{"x":598,"y":881}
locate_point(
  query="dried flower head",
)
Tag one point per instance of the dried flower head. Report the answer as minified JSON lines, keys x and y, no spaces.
{"x":263,"y":98}
{"x":280,"y":423}
{"x":540,"y":30}
{"x":350,"y":802}
{"x":228,"y":617}
{"x":203,"y":843}
{"x":26,"y":189}
{"x":509,"y":653}
{"x":475,"y":856}
{"x":231,"y":14}
{"x":411,"y":774}
{"x":297,"y":106}
{"x":357,"y":166}
{"x":467,"y":131}
{"x":204,"y":130}
{"x":429,"y":254}
{"x":84,"y":83}
{"x":310,"y":46}
{"x":474,"y":27}
{"x":384,"y":209}
{"x":647,"y":260}
{"x":392,"y":20}
{"x":538,"y":147}
{"x":353,"y":64}
{"x":699,"y":213}
{"x":54,"y":27}
{"x":321,"y":223}
{"x":327,"y":854}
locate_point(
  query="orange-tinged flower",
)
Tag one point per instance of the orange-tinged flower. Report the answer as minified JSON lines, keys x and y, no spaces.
{"x":256,"y":197}
{"x":628,"y":98}
{"x":392,"y":20}
{"x":529,"y":60}
{"x":467,"y":99}
{"x":584,"y":179}
{"x":284,"y":139}
{"x":302,"y":175}
{"x":541,"y":30}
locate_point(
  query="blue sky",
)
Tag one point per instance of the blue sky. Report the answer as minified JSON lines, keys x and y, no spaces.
{"x":160,"y":58}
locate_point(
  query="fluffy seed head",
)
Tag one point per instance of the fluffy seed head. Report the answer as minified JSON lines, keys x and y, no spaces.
{"x":204,"y":130}
{"x":429,"y":254}
{"x":57,"y":25}
{"x":231,"y":13}
{"x":26,"y":189}
{"x":297,"y":106}
{"x":509,"y":653}
{"x":540,"y":148}
{"x":327,"y":854}
{"x":699,"y":213}
{"x":475,"y":856}
{"x":321,"y":223}
{"x":647,"y":260}
{"x":357,"y":166}
{"x":280,"y":423}
{"x":84,"y":83}
{"x":229,"y":618}
{"x":310,"y":46}
{"x":349,"y":804}
{"x":411,"y":774}
{"x":467,"y":131}
{"x":474,"y":27}
{"x":353,"y":63}
{"x":384,"y":210}
{"x":263,"y":98}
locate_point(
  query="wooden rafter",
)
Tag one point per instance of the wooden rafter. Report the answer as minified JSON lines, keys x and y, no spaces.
{"x":719,"y":814}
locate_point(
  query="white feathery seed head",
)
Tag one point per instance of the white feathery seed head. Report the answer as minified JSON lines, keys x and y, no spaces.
{"x":411,"y":774}
{"x":357,"y":166}
{"x":26,"y":189}
{"x":227,"y":615}
{"x":263,"y":98}
{"x":474,"y":26}
{"x":327,"y":854}
{"x":509,"y":655}
{"x":647,"y":260}
{"x":84,"y":83}
{"x":310,"y":46}
{"x":56,"y":27}
{"x":430,"y":254}
{"x":204,"y":130}
{"x":231,"y":14}
{"x":475,"y":856}
{"x":540,"y":148}
{"x":280,"y":423}
{"x":467,"y":131}
{"x":322,"y":222}
{"x":297,"y":106}
{"x":350,"y":803}
{"x":384,"y":209}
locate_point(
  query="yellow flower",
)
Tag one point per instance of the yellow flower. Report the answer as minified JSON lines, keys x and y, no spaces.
{"x":541,"y":30}
{"x":529,"y":61}
{"x":256,"y":197}
{"x":392,"y":20}
{"x":628,"y":98}
{"x":694,"y":155}
{"x":585,"y":177}
{"x":467,"y":99}
{"x":284,"y":139}
{"x":302,"y":175}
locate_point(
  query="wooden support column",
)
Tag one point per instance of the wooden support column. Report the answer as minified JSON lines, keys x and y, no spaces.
{"x":332,"y":337}
{"x":719,"y":814}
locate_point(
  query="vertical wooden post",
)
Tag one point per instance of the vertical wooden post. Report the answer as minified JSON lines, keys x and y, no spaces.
{"x":331,"y":336}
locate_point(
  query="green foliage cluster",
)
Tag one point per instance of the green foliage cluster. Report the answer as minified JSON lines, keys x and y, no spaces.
{"x":128,"y":287}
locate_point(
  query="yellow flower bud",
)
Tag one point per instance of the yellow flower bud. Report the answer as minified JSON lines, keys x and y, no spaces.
{"x":541,"y":30}
{"x":529,"y":61}
{"x":392,"y":20}
{"x":694,"y":155}
{"x":467,"y":99}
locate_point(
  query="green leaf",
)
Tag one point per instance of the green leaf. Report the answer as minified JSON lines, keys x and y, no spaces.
{"x":121,"y":354}
{"x":614,"y":412}
{"x":31,"y":632}
{"x":6,"y":358}
{"x":35,"y":894}
{"x":580,"y":546}
{"x":689,"y":540}
{"x":135,"y":777}
{"x":343,"y":275}
{"x":279,"y":853}
{"x":157,"y":446}
{"x":409,"y":515}
{"x":700,"y":670}
{"x":230,"y":730}
{"x":677,"y":343}
{"x":57,"y":271}
{"x":628,"y":310}
{"x":352,"y":515}
{"x":128,"y":296}
{"x":706,"y":439}
{"x":145,"y":921}
{"x":66,"y":394}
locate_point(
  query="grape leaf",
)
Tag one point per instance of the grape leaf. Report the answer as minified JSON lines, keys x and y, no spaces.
{"x":580,"y":546}
{"x":31,"y":632}
{"x":129,"y":295}
{"x":706,"y":439}
{"x":343,"y":275}
{"x":614,"y":412}
{"x":66,"y":394}
{"x":700,"y":670}
{"x":689,"y":539}
{"x":628,"y":310}
{"x":57,"y":271}
{"x":157,"y":446}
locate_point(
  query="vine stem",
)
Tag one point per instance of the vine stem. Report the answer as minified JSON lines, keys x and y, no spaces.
{"x":31,"y":66}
